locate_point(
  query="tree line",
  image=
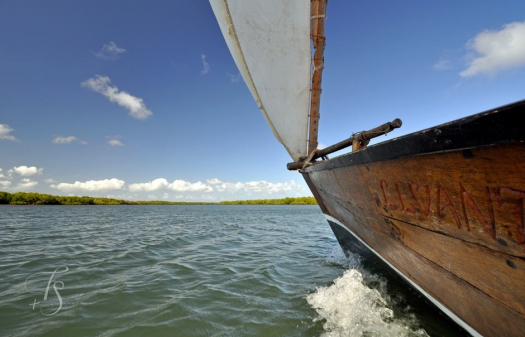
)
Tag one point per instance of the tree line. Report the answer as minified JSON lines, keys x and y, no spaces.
{"x":283,"y":201}
{"x":32,"y":198}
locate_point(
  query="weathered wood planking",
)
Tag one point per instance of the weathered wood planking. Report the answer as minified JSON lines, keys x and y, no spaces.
{"x":453,"y":222}
{"x":477,"y":265}
{"x":487,"y":315}
{"x":473,"y":195}
{"x":446,"y":207}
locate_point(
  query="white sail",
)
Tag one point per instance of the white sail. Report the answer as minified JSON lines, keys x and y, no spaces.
{"x":270,"y":43}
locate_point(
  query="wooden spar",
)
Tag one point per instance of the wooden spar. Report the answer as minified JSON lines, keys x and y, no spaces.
{"x":358,"y":141}
{"x":318,"y":10}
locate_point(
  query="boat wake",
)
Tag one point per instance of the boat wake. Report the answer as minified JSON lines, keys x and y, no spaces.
{"x":349,"y":307}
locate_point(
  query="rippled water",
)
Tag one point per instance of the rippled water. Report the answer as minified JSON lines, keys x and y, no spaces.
{"x":183,"y":271}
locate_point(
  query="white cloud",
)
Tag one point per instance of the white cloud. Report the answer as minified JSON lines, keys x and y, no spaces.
{"x":137,"y":108}
{"x":205,"y":65}
{"x":154,"y":185}
{"x":92,"y":185}
{"x":185,"y":186}
{"x":234,"y":78}
{"x":442,"y":65}
{"x":26,"y":184}
{"x":115,"y":142}
{"x":5,"y":131}
{"x":50,"y":181}
{"x":216,"y":185}
{"x":5,"y":183}
{"x":110,"y":51}
{"x":27,"y":171}
{"x":255,"y":186}
{"x":64,"y":140}
{"x":497,"y":50}
{"x":177,"y":185}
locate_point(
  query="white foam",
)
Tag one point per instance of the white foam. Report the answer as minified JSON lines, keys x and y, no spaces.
{"x":350,"y":308}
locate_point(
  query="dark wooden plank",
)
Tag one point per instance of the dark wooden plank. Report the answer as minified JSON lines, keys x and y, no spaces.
{"x":501,"y":276}
{"x":428,"y":314}
{"x":484,"y":313}
{"x":476,"y":196}
{"x":496,"y":126}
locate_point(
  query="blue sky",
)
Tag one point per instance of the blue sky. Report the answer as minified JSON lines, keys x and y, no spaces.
{"x":142,"y":100}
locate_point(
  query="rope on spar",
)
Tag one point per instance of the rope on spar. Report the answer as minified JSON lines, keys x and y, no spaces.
{"x":308,"y":159}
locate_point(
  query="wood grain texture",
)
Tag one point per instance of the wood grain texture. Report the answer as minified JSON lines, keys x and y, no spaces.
{"x":478,"y":197}
{"x":453,"y":222}
{"x":495,"y":126}
{"x":318,"y":10}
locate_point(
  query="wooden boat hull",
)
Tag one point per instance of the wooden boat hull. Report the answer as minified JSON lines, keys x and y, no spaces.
{"x":445,"y":209}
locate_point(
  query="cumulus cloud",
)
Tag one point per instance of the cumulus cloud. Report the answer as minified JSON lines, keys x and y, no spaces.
{"x":64,"y":140}
{"x":217,"y":185}
{"x":110,"y":51}
{"x":91,"y":185}
{"x":154,"y":185}
{"x":27,"y":171}
{"x":496,"y":50}
{"x":114,"y":141}
{"x":5,"y":183}
{"x":25,"y":184}
{"x":5,"y":131}
{"x":205,"y":65}
{"x":177,"y":185}
{"x":254,"y":186}
{"x":185,"y":186}
{"x":137,"y":108}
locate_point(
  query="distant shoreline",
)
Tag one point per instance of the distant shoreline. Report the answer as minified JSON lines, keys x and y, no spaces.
{"x":38,"y":199}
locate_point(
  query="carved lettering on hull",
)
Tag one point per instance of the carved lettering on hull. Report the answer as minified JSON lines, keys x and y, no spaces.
{"x":413,"y":189}
{"x":448,"y":205}
{"x":460,"y":207}
{"x":466,"y":200}
{"x":387,"y":204}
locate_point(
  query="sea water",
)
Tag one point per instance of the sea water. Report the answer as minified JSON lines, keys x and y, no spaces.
{"x":186,"y":271}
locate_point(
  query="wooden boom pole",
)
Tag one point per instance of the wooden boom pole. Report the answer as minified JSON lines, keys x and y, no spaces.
{"x":318,"y":10}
